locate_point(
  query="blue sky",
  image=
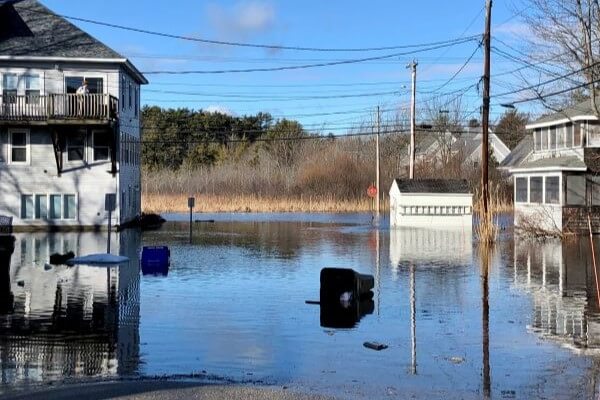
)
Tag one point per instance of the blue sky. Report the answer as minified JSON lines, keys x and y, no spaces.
{"x":299,"y":94}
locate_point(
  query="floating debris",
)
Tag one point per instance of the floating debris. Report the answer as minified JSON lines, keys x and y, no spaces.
{"x":375,"y":346}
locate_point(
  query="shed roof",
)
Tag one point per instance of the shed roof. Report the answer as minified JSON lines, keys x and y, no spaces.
{"x":447,"y":186}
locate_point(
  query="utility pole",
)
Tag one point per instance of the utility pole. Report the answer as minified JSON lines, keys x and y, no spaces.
{"x":377,"y":165}
{"x":485,"y":111}
{"x":413,"y":67}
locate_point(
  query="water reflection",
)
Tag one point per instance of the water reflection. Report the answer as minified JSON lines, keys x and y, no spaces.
{"x":64,"y":321}
{"x":560,"y":278}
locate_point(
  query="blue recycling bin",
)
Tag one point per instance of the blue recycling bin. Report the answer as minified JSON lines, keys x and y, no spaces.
{"x":155,"y":260}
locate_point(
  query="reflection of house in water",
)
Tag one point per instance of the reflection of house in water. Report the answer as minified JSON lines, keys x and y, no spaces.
{"x":70,"y":321}
{"x":561,"y":281}
{"x":423,"y":245}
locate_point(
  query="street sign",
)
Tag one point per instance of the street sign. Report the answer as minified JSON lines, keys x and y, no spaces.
{"x":191,"y":202}
{"x":110,"y":202}
{"x":372,"y":191}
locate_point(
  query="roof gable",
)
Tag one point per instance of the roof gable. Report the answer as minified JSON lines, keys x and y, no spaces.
{"x":27,"y":28}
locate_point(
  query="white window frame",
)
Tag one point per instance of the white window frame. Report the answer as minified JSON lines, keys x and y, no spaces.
{"x":21,"y":216}
{"x":76,"y":217}
{"x":48,"y":197}
{"x":27,"y":146}
{"x":61,"y":206}
{"x":85,"y":75}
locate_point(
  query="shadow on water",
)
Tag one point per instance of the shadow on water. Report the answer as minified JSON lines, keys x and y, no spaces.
{"x":59,"y":322}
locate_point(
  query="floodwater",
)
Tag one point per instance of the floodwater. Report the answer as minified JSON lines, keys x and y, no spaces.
{"x":518,"y":321}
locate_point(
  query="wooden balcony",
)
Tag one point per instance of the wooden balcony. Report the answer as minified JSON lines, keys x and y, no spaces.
{"x":58,"y":109}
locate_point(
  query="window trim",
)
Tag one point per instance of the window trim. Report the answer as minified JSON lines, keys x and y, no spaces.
{"x":526,"y":178}
{"x":27,"y":146}
{"x":79,"y":74}
{"x":48,"y":197}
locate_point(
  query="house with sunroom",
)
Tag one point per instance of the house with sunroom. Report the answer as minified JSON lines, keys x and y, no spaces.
{"x":557,"y":185}
{"x":69,"y":123}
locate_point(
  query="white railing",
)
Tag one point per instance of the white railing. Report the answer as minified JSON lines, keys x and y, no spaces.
{"x":58,"y":106}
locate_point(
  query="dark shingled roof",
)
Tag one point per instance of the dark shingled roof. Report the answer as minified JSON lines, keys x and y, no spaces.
{"x":27,"y":28}
{"x":579,"y":109}
{"x":448,"y":186}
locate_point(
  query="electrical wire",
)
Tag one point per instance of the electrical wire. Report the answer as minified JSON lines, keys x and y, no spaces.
{"x":242,"y":44}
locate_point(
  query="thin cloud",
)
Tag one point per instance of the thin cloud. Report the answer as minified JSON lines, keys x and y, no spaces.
{"x":242,"y":20}
{"x":218,"y":109}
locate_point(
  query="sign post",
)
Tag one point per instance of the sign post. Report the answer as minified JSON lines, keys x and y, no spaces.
{"x":110,"y":205}
{"x":191,"y":205}
{"x":372,"y":193}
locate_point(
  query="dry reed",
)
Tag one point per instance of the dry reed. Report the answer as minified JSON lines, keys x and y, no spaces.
{"x":162,"y":203}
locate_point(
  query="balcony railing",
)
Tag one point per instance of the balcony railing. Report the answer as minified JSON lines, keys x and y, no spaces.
{"x":57,"y":107}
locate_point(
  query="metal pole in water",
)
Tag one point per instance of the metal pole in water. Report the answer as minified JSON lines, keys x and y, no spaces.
{"x":594,"y":258}
{"x":109,"y":229}
{"x":110,"y":205}
{"x":191,"y":204}
{"x":413,"y":321}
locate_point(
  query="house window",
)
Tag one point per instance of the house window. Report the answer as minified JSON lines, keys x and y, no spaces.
{"x":135,"y":102}
{"x":19,"y":141}
{"x":95,"y":85}
{"x":70,"y":206}
{"x":123,"y":91}
{"x":55,"y":206}
{"x":575,"y":190}
{"x":9,"y":88}
{"x":41,"y":206}
{"x":32,"y":89}
{"x":593,"y":135}
{"x":130,"y":95}
{"x":560,"y":137}
{"x":537,"y":136}
{"x":101,"y":146}
{"x":27,"y":211}
{"x":76,"y":147}
{"x":521,"y":190}
{"x":552,"y":190}
{"x":544,"y":134}
{"x":536,"y":194}
{"x":552,"y":138}
{"x":577,"y":135}
{"x":569,"y":135}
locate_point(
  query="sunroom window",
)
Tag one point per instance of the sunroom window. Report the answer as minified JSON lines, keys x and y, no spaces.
{"x":552,"y":190}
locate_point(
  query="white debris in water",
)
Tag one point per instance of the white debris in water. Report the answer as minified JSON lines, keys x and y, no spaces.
{"x":98,"y":259}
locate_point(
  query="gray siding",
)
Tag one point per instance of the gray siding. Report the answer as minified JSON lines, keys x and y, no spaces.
{"x":88,"y":180}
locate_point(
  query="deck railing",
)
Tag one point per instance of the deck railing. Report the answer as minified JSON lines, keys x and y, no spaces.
{"x":58,"y":107}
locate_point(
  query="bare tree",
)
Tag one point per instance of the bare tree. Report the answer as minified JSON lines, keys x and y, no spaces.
{"x":568,"y":32}
{"x":446,"y":116}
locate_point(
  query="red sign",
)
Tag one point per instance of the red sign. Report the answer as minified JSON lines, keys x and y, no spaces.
{"x":372,"y":191}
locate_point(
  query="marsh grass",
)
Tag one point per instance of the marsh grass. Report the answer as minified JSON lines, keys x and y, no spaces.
{"x":161,"y":203}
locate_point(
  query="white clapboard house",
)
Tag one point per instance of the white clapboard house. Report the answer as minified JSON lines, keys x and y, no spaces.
{"x":431,"y":203}
{"x":557,"y":184}
{"x":61,"y":152}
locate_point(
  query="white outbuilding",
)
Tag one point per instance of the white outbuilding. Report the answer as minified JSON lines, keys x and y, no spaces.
{"x":431,"y":203}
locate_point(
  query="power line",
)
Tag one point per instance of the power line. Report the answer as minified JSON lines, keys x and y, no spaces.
{"x":315,"y":65}
{"x":242,"y":44}
{"x":536,"y":86}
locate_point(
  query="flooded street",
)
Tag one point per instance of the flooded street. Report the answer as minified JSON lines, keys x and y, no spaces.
{"x":518,"y":321}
